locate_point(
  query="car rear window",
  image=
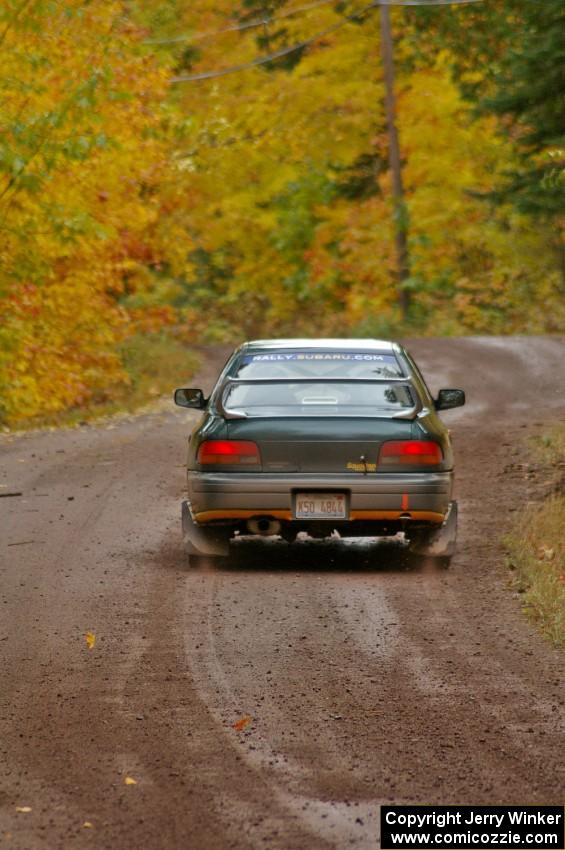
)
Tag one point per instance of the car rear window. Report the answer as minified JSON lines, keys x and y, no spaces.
{"x":319,"y":364}
{"x":327,"y":398}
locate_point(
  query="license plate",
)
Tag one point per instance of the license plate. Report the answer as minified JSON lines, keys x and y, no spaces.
{"x":320,"y":506}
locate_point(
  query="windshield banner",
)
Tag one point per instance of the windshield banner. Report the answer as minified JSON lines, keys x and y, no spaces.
{"x":340,"y":356}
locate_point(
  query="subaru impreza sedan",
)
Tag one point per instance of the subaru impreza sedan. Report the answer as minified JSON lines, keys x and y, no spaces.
{"x":319,"y":436}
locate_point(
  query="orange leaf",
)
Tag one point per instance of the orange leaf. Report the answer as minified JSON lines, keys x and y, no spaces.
{"x":242,"y":723}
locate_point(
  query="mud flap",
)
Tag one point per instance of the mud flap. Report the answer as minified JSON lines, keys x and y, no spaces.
{"x":203,"y":541}
{"x":440,"y":543}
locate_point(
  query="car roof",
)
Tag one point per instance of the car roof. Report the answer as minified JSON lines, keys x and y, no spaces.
{"x":380,"y":345}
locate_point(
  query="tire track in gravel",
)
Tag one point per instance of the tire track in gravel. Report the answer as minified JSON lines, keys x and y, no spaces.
{"x":369,"y":679}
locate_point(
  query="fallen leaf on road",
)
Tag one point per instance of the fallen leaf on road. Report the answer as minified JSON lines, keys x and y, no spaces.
{"x":129,"y":780}
{"x":241,"y":724}
{"x":87,"y":824}
{"x":24,"y":809}
{"x":90,"y":639}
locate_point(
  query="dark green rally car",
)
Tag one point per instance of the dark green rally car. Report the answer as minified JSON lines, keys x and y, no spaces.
{"x":320,"y":436}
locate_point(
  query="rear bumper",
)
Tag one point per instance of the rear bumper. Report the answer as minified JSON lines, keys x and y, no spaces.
{"x":382,"y":497}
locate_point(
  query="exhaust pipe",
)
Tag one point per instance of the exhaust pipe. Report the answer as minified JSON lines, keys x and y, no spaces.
{"x":264,"y":526}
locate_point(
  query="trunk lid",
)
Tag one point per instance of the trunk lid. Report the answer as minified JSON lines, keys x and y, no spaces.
{"x":319,"y":445}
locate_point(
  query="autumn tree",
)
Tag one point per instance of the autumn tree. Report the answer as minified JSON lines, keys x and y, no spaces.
{"x":508,"y":60}
{"x":299,"y":235}
{"x":84,"y":163}
{"x":145,"y":182}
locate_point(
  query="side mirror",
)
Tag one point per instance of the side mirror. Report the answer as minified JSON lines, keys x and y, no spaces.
{"x":446,"y":399}
{"x":190,"y":398}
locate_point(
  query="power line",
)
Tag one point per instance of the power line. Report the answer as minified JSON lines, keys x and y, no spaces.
{"x":271,"y":19}
{"x":285,"y":51}
{"x":256,"y":22}
{"x":262,"y":60}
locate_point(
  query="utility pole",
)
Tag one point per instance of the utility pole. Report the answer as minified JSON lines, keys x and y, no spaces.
{"x":400,"y":212}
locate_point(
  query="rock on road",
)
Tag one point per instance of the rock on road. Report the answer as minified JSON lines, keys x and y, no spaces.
{"x":357,"y":681}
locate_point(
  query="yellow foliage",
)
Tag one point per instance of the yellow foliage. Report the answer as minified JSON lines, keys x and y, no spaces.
{"x":84,"y":162}
{"x":268,"y":154}
{"x":256,"y":203}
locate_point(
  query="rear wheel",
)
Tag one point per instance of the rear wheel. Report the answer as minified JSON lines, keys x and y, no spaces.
{"x":203,"y":562}
{"x":436,"y":544}
{"x":420,"y":548}
{"x":420,"y":540}
{"x":442,"y":563}
{"x":205,"y":545}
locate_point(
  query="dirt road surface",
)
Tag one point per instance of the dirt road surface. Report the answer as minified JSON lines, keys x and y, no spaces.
{"x":366,"y":681}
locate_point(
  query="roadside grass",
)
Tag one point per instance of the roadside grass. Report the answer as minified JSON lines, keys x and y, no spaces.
{"x":536,"y":544}
{"x":154,"y":363}
{"x":550,"y":447}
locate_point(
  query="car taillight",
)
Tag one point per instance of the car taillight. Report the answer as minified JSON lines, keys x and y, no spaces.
{"x":233,"y":452}
{"x":410,"y":452}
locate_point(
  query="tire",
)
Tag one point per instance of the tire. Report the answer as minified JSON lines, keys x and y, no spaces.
{"x":442,"y":563}
{"x":197,"y":562}
{"x":201,"y":542}
{"x":418,"y":552}
{"x":419,"y":541}
{"x":436,"y":544}
{"x":205,"y":562}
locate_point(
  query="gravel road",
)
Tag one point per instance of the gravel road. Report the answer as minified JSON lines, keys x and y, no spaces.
{"x":276,"y":703}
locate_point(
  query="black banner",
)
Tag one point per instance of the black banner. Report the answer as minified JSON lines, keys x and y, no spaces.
{"x":472,"y":827}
